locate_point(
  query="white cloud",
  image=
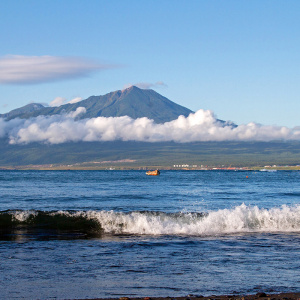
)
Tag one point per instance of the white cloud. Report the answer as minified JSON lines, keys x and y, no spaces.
{"x":75,"y":100}
{"x":199,"y":126}
{"x":146,"y":85}
{"x":58,"y":101}
{"x":79,"y":111}
{"x":19,"y":69}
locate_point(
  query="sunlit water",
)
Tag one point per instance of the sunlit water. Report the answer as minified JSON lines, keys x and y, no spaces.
{"x":84,"y":234}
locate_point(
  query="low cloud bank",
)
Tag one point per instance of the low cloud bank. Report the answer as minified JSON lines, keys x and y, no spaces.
{"x":199,"y":126}
{"x":20,"y":69}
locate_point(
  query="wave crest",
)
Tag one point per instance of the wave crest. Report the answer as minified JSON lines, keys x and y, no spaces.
{"x":240,"y":219}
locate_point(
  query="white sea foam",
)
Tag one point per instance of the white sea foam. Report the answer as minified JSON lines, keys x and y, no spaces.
{"x":23,"y":216}
{"x":240,"y":219}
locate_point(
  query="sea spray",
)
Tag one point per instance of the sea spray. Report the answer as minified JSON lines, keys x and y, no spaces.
{"x":227,"y":221}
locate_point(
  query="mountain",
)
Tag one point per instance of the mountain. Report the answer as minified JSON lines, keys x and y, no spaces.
{"x":133,"y":102}
{"x":27,"y":109}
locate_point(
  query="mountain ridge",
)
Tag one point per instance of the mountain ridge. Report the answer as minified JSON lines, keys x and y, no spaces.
{"x":22,"y":110}
{"x":133,"y":102}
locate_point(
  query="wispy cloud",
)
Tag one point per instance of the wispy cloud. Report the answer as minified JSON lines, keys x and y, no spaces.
{"x":146,"y":85}
{"x":58,"y":101}
{"x":199,"y":126}
{"x":75,"y":100}
{"x":19,"y":69}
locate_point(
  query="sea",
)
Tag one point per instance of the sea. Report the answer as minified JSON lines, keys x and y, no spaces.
{"x":88,"y":234}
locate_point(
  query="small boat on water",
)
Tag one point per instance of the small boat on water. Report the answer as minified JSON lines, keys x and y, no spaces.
{"x":153,"y":173}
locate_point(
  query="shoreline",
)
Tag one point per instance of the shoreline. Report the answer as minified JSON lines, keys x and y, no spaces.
{"x":259,"y":296}
{"x":143,"y":168}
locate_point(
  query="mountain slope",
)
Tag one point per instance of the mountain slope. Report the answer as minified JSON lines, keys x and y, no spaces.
{"x":27,"y":109}
{"x":147,"y":154}
{"x":132,"y":102}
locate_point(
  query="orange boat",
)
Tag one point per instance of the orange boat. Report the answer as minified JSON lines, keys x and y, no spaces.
{"x":153,"y":173}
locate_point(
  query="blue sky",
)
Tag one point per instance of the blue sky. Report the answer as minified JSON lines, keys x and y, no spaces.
{"x":239,"y":59}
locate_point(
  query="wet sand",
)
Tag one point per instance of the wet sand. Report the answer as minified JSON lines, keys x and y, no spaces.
{"x":259,"y":296}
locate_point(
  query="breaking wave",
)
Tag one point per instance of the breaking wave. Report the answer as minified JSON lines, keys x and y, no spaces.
{"x":240,"y":219}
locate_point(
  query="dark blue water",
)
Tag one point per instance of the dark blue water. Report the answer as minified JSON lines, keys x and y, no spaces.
{"x":84,"y":234}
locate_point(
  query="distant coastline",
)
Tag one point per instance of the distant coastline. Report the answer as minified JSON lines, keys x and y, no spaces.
{"x":126,"y":167}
